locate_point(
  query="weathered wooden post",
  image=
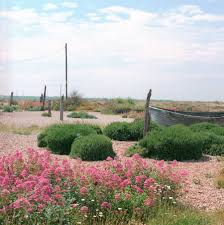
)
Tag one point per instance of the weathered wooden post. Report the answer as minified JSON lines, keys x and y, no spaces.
{"x":44,"y":97}
{"x":49,"y":107}
{"x":41,"y":98}
{"x":147,"y":113}
{"x":61,"y":107}
{"x":11,"y":99}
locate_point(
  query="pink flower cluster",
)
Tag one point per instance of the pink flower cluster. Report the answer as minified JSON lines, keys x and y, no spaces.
{"x":34,"y":180}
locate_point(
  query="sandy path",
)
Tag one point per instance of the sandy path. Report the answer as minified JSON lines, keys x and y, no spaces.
{"x":26,"y":119}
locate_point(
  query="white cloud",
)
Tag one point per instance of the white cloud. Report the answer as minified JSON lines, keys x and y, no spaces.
{"x":49,"y":6}
{"x":71,"y":5}
{"x":116,"y":46}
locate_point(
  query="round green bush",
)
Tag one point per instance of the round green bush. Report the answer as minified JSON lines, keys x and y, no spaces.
{"x":118,"y":131}
{"x":81,"y":115}
{"x":96,"y":128}
{"x":41,"y":140}
{"x":199,"y":127}
{"x":218,"y":130}
{"x":92,"y":148}
{"x":173,"y":143}
{"x":137,"y":127}
{"x":8,"y":108}
{"x":59,"y":138}
{"x":216,"y":149}
{"x":210,"y":139}
{"x":123,"y":131}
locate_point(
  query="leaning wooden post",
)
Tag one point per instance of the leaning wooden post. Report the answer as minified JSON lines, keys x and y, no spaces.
{"x":49,"y":107}
{"x":44,"y":97}
{"x":11,"y":99}
{"x":61,"y":107}
{"x":147,"y":115}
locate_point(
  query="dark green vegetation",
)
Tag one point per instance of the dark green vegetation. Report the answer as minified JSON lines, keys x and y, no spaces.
{"x":123,"y":131}
{"x":81,"y":115}
{"x":8,"y":108}
{"x":92,"y":147}
{"x":180,"y":142}
{"x":175,"y":142}
{"x":34,"y":108}
{"x":46,"y":114}
{"x":59,"y":138}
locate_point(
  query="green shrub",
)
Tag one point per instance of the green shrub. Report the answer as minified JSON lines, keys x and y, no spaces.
{"x":46,"y":114}
{"x":210,"y":139}
{"x":173,"y":143}
{"x":92,"y":147}
{"x":118,"y":106}
{"x":137,"y":127}
{"x":35,"y":108}
{"x":199,"y":127}
{"x":118,"y":131}
{"x":60,"y":137}
{"x":8,"y":108}
{"x":216,"y":149}
{"x":135,"y":149}
{"x":218,"y":130}
{"x":96,"y":128}
{"x":82,"y":115}
{"x":41,"y":139}
{"x":123,"y":131}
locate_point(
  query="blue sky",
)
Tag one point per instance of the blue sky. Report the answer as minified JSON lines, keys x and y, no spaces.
{"x":116,"y":48}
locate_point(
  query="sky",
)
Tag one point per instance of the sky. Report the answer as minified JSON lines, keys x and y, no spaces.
{"x":115,"y":48}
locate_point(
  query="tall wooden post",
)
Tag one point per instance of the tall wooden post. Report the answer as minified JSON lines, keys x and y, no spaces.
{"x":41,"y":98}
{"x":49,"y":107}
{"x":66,"y":71}
{"x":61,"y":107}
{"x":44,"y":97}
{"x":147,"y":115}
{"x":11,"y":99}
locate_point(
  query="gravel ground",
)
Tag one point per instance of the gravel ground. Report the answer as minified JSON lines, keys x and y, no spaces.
{"x":26,"y":119}
{"x":202,"y":192}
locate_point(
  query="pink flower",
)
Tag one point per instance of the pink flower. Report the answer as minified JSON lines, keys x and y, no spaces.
{"x":106,"y":205}
{"x":5,"y":192}
{"x":75,"y":205}
{"x":109,"y":158}
{"x":127,"y":196}
{"x":83,"y":191}
{"x":84,"y":209}
{"x":117,"y":196}
{"x":148,"y":202}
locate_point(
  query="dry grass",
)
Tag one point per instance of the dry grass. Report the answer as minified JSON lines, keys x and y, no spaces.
{"x":33,"y":129}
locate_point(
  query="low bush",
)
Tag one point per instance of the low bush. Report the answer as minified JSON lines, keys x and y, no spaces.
{"x":41,"y":139}
{"x":218,"y":130}
{"x":118,"y":131}
{"x":81,"y":115}
{"x":118,"y":106}
{"x":8,"y":108}
{"x":46,"y":114}
{"x":137,"y":127}
{"x":211,"y":142}
{"x":92,"y":147}
{"x":35,"y":108}
{"x":173,"y":143}
{"x":135,"y":149}
{"x":123,"y":131}
{"x":216,"y":149}
{"x":97,"y":128}
{"x":59,"y":138}
{"x":200,"y":127}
